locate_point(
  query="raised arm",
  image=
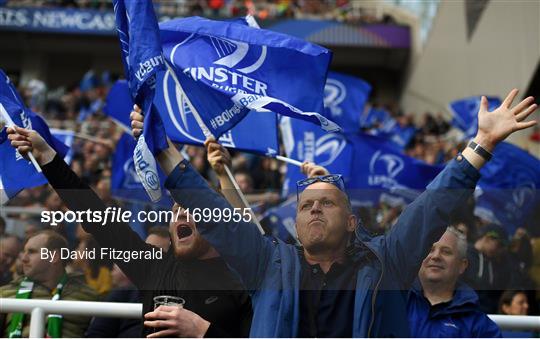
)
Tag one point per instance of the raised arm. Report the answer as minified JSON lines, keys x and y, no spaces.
{"x":425,"y":219}
{"x":239,"y":242}
{"x":79,"y":197}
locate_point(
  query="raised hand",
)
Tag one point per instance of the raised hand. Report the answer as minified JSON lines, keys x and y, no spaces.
{"x":217,"y":156}
{"x":136,"y":121}
{"x":312,"y":170}
{"x":495,"y":126}
{"x":26,"y":141}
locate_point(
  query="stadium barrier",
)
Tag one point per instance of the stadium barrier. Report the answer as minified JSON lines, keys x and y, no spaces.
{"x":38,"y":309}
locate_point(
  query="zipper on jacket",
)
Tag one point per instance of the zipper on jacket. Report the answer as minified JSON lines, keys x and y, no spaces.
{"x":376,"y":290}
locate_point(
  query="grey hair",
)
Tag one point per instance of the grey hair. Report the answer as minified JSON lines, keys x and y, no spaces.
{"x":461,"y":241}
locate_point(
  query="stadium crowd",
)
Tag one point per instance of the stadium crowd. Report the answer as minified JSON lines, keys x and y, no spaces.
{"x":504,"y":269}
{"x":340,"y":10}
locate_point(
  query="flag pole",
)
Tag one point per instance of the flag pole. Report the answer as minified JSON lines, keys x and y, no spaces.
{"x":288,"y":160}
{"x":208,"y":134}
{"x":10,"y":123}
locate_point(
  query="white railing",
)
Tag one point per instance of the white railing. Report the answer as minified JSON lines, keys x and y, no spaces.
{"x":38,"y":309}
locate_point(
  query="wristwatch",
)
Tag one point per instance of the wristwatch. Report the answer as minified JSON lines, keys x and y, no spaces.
{"x":481,"y":151}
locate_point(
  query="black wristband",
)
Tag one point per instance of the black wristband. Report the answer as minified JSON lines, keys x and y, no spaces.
{"x":481,"y":151}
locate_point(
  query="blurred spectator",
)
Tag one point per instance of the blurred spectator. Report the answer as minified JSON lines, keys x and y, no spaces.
{"x":10,"y":246}
{"x":46,"y":279}
{"x":535,"y":135}
{"x":124,"y":291}
{"x":97,"y":272}
{"x":159,"y":237}
{"x":440,"y":306}
{"x":489,"y":271}
{"x":515,"y":302}
{"x":2,"y":226}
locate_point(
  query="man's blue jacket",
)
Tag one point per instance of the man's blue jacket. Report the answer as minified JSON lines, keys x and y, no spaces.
{"x":460,"y":318}
{"x":388,"y":265}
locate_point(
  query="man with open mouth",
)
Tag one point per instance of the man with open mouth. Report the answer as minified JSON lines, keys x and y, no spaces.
{"x":216,"y":304}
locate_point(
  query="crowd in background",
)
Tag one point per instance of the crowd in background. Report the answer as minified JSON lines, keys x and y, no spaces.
{"x":514,"y":258}
{"x":342,"y":10}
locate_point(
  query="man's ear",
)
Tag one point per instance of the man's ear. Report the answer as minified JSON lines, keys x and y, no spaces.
{"x":352,"y":221}
{"x":463,"y":266}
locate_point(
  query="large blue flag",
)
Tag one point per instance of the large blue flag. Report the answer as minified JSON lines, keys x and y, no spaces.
{"x":344,"y":99}
{"x":381,"y":169}
{"x":142,"y":56}
{"x":371,"y":166}
{"x":17,"y":173}
{"x":509,"y":188}
{"x":257,"y":133}
{"x":304,"y":143}
{"x":465,"y":112}
{"x":228,"y":68}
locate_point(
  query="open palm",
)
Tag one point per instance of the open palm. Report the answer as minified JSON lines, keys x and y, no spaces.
{"x":495,"y":126}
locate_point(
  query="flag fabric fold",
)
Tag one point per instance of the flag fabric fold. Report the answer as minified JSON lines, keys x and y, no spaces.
{"x":142,"y":57}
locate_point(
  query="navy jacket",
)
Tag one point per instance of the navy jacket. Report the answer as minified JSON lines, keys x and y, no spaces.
{"x":270,"y":269}
{"x":460,"y":318}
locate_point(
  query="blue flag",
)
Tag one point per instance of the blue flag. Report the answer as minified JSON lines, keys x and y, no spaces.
{"x":381,"y":169}
{"x":282,"y":220}
{"x":118,"y":104}
{"x":182,"y":127}
{"x":344,"y":99}
{"x":465,"y":112}
{"x":65,"y":137}
{"x":228,"y":68}
{"x":17,"y":173}
{"x":509,"y":188}
{"x":304,"y":143}
{"x":142,"y":56}
{"x":392,"y":131}
{"x":125,"y":183}
{"x":375,"y":118}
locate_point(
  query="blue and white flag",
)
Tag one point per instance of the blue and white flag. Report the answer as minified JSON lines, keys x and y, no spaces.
{"x":66,"y":137}
{"x":465,"y":112}
{"x":17,"y":173}
{"x":125,"y":183}
{"x":227,"y":69}
{"x":256,"y":133}
{"x":375,"y":117}
{"x":381,"y":169}
{"x":509,"y":188}
{"x":142,"y":56}
{"x":344,"y":99}
{"x":302,"y":142}
{"x":392,"y":131}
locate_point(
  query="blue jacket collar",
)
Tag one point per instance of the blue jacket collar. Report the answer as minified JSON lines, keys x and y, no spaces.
{"x":465,"y":299}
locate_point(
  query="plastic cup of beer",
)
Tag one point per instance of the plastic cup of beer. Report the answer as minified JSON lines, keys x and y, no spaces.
{"x":168,"y":300}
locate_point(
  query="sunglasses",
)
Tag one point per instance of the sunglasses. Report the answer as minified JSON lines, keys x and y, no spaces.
{"x":334,"y":179}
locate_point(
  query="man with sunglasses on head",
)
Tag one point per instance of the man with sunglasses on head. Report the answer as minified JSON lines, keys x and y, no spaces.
{"x":336,"y":284}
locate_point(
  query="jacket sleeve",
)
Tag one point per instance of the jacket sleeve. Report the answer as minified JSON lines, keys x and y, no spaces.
{"x":484,"y":327}
{"x":240,"y":244}
{"x":424,"y":221}
{"x":78,"y":196}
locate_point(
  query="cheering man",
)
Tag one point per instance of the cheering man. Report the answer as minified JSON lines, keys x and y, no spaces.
{"x":337,"y":285}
